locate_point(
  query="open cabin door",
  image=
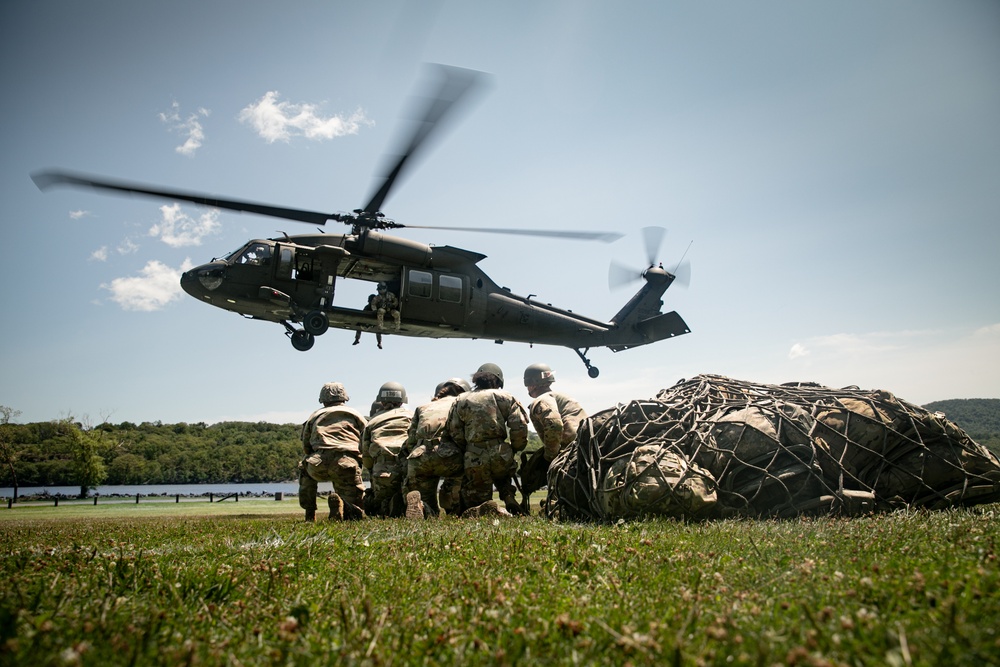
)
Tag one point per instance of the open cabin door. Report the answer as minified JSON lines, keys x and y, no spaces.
{"x":308,"y":275}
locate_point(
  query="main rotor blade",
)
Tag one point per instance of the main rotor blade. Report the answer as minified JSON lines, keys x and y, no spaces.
{"x":606,"y":237}
{"x":653,"y":238}
{"x":49,"y":178}
{"x":454,"y":85}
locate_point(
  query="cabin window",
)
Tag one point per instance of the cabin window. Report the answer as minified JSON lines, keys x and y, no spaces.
{"x":421,"y":283}
{"x":450,"y":289}
{"x":286,"y":262}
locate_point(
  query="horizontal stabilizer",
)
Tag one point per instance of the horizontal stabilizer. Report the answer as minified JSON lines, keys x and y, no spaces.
{"x":666,"y":325}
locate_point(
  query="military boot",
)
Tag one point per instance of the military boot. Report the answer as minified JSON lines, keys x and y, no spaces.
{"x":310,"y":515}
{"x":336,"y":504}
{"x":414,"y":506}
{"x":353,"y":512}
{"x":489,"y":508}
{"x":510,"y":502}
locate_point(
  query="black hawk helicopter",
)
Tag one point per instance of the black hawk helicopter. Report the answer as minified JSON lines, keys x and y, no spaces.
{"x":441,"y":291}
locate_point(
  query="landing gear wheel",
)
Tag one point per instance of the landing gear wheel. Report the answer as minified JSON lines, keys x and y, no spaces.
{"x":592,"y":371}
{"x":316,"y":323}
{"x":302,"y":340}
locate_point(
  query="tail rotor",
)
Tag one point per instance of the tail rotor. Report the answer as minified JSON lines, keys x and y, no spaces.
{"x":620,"y":275}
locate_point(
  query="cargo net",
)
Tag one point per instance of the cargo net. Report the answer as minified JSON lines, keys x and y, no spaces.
{"x":714,"y":447}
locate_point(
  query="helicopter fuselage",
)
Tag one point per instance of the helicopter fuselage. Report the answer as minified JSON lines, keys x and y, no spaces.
{"x":442,"y":293}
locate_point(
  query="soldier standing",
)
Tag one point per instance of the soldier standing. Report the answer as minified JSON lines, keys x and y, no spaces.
{"x":380,"y":444}
{"x":429,"y":455}
{"x":330,"y":441}
{"x":480,"y":422}
{"x":555,"y":417}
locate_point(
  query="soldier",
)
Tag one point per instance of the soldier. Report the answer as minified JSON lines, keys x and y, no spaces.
{"x":370,"y":307}
{"x":480,"y":422}
{"x":380,"y":443}
{"x":430,"y":455}
{"x":330,"y":440}
{"x":555,"y":417}
{"x":386,"y":302}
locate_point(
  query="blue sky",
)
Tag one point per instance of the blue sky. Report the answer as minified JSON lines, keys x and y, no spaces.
{"x":833,"y":166}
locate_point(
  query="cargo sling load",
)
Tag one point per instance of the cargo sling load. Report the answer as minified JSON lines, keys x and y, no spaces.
{"x":714,"y":447}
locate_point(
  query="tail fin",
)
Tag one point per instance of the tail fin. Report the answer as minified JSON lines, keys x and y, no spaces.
{"x":641,"y":320}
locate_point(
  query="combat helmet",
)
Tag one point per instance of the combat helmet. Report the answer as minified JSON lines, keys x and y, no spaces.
{"x":492,"y":369}
{"x":458,"y":383}
{"x":392,"y":392}
{"x":333,"y":392}
{"x":538,"y":374}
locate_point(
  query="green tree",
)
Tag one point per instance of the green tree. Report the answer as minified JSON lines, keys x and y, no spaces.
{"x":85,"y":447}
{"x":127,"y":469}
{"x":7,"y":450}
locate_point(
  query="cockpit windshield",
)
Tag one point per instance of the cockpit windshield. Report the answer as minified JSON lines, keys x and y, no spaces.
{"x":256,"y":253}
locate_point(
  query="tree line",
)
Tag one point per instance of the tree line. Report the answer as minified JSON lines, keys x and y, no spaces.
{"x":68,"y":453}
{"x":979,"y":417}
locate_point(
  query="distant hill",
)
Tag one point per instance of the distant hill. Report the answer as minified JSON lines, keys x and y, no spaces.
{"x":979,"y":417}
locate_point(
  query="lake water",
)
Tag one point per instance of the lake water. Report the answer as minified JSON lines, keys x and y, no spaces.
{"x":268,"y":489}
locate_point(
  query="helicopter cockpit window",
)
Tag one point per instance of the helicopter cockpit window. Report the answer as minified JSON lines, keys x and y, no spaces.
{"x":421,"y":283}
{"x":450,"y":289}
{"x":258,"y":254}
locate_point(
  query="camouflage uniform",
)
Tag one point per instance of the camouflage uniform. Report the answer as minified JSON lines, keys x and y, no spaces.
{"x":386,"y":302}
{"x":556,"y":418}
{"x":479,"y":423}
{"x":430,"y":455}
{"x":330,"y":441}
{"x":380,"y":444}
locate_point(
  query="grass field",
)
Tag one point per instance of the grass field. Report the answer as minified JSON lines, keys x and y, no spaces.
{"x":250,"y":583}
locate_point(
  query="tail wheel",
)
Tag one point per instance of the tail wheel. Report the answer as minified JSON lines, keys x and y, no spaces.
{"x":303,"y":340}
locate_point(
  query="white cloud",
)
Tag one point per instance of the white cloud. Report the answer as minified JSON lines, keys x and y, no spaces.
{"x":798,"y":350}
{"x":155,"y":286}
{"x":919,"y":366}
{"x":280,"y":121}
{"x":987,"y":331}
{"x":127,"y":247}
{"x":76,"y":215}
{"x":100,"y":255}
{"x":177,"y":229}
{"x":190,"y":128}
{"x":848,"y":343}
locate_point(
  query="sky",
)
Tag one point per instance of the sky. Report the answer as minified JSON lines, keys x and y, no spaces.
{"x":830,"y":170}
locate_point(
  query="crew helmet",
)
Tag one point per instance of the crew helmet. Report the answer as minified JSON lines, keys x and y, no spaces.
{"x":458,"y":383}
{"x":492,"y":369}
{"x":381,"y":287}
{"x":538,"y":374}
{"x":392,"y":392}
{"x":333,"y":392}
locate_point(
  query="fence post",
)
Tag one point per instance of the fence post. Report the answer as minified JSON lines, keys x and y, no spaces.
{"x":137,"y":499}
{"x":178,"y":498}
{"x":10,"y":502}
{"x":57,"y":501}
{"x":95,"y":501}
{"x":210,"y":496}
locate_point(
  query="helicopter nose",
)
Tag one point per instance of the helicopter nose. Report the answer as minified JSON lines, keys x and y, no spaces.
{"x":201,"y":280}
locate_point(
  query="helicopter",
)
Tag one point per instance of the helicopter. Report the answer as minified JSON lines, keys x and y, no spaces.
{"x":440,"y":290}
